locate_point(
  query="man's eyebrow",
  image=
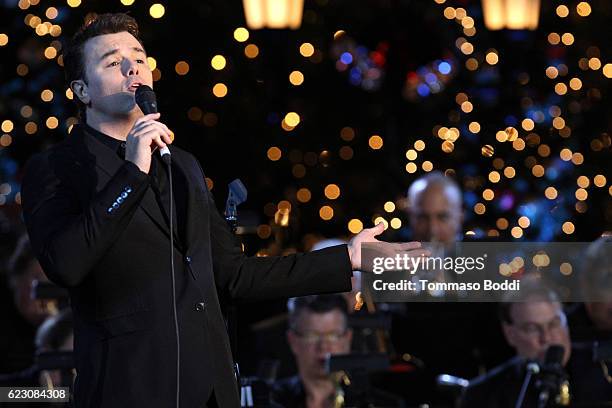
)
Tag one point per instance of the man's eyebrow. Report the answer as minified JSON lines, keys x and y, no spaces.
{"x":108,"y":53}
{"x":116,"y":50}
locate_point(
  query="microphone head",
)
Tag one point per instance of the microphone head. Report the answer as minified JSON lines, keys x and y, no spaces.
{"x":238,"y":191}
{"x":145,"y":99}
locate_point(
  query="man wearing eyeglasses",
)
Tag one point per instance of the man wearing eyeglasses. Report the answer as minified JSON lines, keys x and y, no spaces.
{"x":318,"y":327}
{"x":533,"y":320}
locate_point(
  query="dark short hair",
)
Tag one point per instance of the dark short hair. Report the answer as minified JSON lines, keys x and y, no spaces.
{"x":94,"y":25}
{"x":315,"y":304}
{"x":532,"y":289}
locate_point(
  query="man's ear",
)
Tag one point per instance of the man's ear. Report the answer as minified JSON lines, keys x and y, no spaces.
{"x":79,"y":89}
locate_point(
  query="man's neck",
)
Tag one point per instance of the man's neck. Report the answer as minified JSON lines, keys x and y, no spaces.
{"x":318,"y":391}
{"x":117,"y":128}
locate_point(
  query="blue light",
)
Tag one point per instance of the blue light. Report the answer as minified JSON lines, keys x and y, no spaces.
{"x":506,"y":202}
{"x":431,"y":78}
{"x":510,"y":120}
{"x":423,"y":90}
{"x":531,"y":114}
{"x":528,"y":210}
{"x":355,"y":76}
{"x":444,"y":68}
{"x":346,"y":58}
{"x":470,"y":198}
{"x":552,"y":173}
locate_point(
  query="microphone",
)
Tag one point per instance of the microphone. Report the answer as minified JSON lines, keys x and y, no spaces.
{"x":552,"y":374}
{"x":237,"y":195}
{"x":147,"y":102}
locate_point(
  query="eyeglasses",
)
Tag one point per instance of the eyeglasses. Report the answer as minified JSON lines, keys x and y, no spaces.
{"x":315,"y":338}
{"x":539,"y":330}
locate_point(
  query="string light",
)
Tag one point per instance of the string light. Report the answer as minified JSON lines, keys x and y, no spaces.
{"x":241,"y":34}
{"x":157,"y":10}
{"x":220,"y":90}
{"x":375,"y":142}
{"x":218,"y":62}
{"x":296,"y":78}
{"x":355,"y":226}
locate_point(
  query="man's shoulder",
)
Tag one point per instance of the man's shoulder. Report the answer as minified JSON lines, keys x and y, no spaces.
{"x":183,"y":156}
{"x":51,"y":160}
{"x":289,"y":392}
{"x":291,"y":384}
{"x":65,"y":150}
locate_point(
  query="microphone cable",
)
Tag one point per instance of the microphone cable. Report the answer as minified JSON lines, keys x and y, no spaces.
{"x":147,"y":102}
{"x":532,"y":368}
{"x":167,"y":160}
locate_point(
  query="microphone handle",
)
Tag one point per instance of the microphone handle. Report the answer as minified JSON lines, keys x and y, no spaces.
{"x":148,"y":108}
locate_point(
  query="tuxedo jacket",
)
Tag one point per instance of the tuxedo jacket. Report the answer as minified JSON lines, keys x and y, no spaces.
{"x":97,"y":229}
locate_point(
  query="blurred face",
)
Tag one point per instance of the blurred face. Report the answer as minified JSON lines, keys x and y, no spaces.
{"x":115,"y":65}
{"x":536,"y":325}
{"x":316,"y":335}
{"x":34,"y":311}
{"x":601,"y":314}
{"x":436,"y":215}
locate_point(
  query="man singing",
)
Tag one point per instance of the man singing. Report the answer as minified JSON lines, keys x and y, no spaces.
{"x":97,"y":208}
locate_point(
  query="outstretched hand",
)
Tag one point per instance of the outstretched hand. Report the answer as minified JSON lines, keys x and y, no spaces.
{"x":412,"y":249}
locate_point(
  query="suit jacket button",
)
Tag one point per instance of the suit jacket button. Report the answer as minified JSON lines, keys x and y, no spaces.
{"x":200,"y":306}
{"x":188,"y":259}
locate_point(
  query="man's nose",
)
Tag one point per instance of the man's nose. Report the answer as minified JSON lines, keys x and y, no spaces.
{"x":324,"y":346}
{"x":546,"y":337}
{"x":435,"y":227}
{"x":131,"y":67}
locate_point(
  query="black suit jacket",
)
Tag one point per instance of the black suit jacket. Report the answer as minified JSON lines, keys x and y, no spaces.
{"x":97,"y":229}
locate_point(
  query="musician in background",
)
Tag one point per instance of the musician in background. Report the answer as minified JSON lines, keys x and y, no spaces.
{"x":318,"y":327}
{"x":435,"y":209}
{"x":532,"y":321}
{"x":23,"y":315}
{"x":56,"y":334}
{"x":436,"y":215}
{"x":592,"y":319}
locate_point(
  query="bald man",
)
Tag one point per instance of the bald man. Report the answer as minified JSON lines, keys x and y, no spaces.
{"x":450,"y":336}
{"x":435,"y":209}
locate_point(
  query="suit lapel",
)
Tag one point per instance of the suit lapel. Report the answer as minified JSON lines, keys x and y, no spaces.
{"x":107,"y":163}
{"x":195,"y":201}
